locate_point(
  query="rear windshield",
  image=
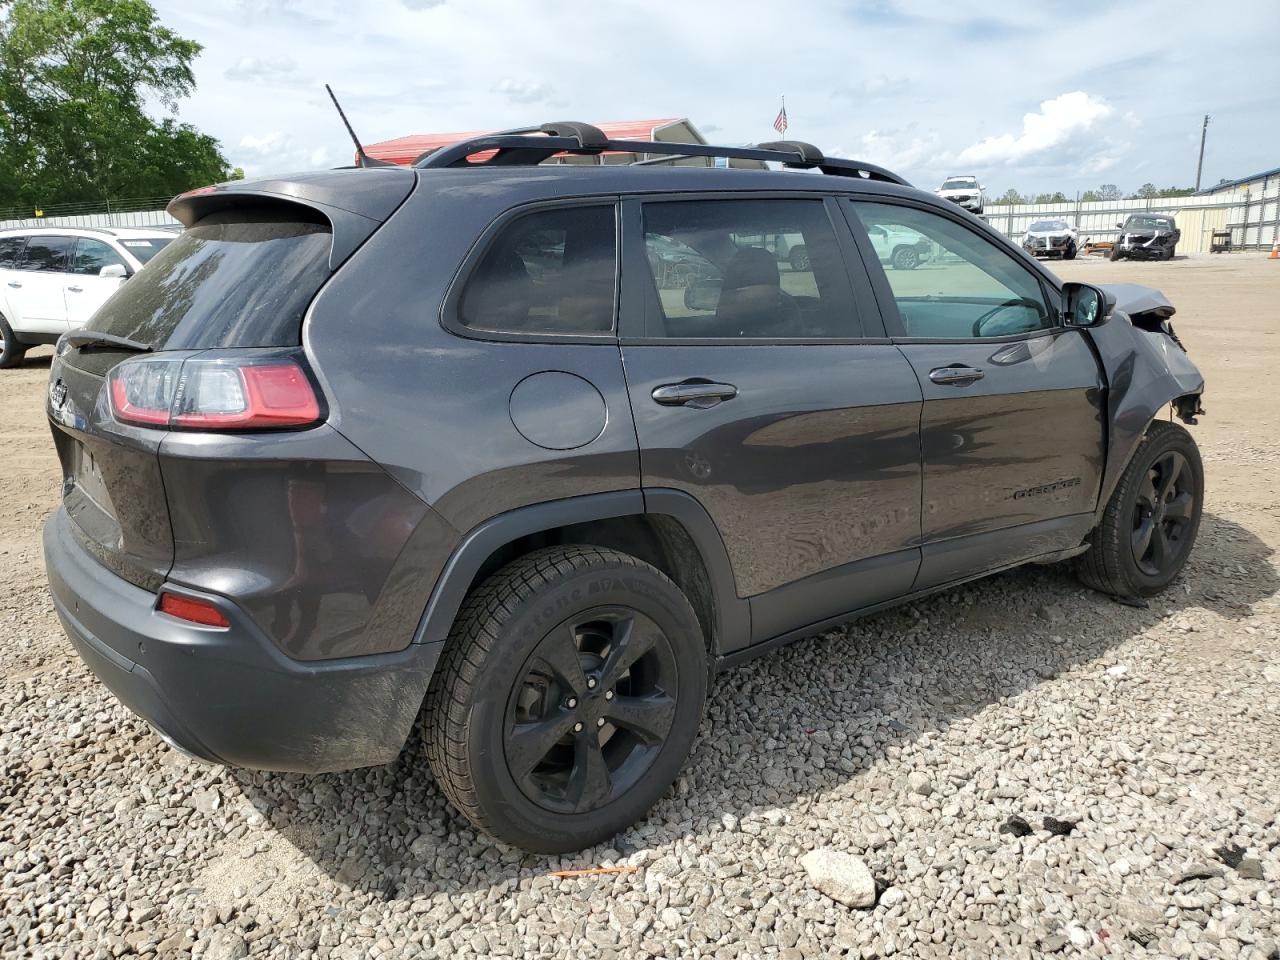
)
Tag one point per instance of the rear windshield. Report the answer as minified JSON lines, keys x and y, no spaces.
{"x":145,"y":249}
{"x":235,"y":279}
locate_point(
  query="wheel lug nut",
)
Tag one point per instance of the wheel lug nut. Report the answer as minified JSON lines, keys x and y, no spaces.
{"x":571,"y":702}
{"x":600,"y":722}
{"x":608,"y":694}
{"x":591,"y":683}
{"x":577,"y":728}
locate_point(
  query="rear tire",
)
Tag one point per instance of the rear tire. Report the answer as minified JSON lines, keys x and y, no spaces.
{"x":11,"y":351}
{"x":1150,"y":523}
{"x":567,"y":698}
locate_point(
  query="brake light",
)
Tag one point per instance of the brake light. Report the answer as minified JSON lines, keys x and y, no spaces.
{"x":213,"y":394}
{"x":193,"y":611}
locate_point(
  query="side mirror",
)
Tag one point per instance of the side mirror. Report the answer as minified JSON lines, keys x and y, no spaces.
{"x":1084,"y":305}
{"x":113,"y":271}
{"x":702,"y":294}
{"x":1119,"y":226}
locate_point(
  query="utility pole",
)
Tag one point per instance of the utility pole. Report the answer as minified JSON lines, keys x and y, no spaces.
{"x":1200,"y":163}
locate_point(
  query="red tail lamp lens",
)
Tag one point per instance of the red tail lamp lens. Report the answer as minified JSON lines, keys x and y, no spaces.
{"x":213,"y":394}
{"x":194,"y":611}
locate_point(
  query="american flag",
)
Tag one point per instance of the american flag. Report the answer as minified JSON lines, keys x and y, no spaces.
{"x":780,"y":122}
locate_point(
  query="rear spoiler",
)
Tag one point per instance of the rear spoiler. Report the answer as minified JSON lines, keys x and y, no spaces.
{"x":355,"y":202}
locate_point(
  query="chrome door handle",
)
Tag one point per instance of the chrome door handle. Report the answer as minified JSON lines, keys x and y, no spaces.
{"x":694,"y":393}
{"x":74,"y":289}
{"x":956,"y":376}
{"x":15,"y":284}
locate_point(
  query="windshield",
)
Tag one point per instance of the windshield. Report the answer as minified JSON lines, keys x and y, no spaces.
{"x":236,"y":279}
{"x":960,"y":183}
{"x":1048,"y":226}
{"x":147,"y":247}
{"x":1149,"y":223}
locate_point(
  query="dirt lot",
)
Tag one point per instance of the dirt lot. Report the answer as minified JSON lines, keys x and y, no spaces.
{"x":908,"y":739}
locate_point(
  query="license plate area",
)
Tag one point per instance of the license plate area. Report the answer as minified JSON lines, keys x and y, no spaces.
{"x":87,"y":479}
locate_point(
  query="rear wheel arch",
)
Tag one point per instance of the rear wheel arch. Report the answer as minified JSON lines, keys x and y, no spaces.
{"x":669,"y":530}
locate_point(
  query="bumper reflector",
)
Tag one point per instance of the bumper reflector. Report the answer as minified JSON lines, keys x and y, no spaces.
{"x":193,"y":611}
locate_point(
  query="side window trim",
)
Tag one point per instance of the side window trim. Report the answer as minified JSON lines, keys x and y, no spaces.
{"x":639,"y":295}
{"x":884,"y":292}
{"x":450,"y":318}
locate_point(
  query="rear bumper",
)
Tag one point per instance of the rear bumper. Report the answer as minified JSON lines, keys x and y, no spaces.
{"x":230,"y":696}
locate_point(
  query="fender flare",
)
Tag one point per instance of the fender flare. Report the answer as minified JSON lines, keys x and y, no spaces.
{"x":731,"y":611}
{"x":1143,"y":374}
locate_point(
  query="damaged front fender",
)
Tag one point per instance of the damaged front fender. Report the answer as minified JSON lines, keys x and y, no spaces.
{"x":1146,"y":368}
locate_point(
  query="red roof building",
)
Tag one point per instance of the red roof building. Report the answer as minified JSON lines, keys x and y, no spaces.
{"x":405,"y":150}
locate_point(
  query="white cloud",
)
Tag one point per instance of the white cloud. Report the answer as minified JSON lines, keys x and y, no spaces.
{"x":898,"y":150}
{"x":422,"y":4}
{"x":1058,"y":121}
{"x":255,"y":70}
{"x":266,"y":143}
{"x":523,"y":91}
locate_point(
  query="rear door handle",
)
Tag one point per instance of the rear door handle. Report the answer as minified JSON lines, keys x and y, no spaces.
{"x":956,"y":376}
{"x":694,"y":393}
{"x":15,"y":284}
{"x":75,"y":289}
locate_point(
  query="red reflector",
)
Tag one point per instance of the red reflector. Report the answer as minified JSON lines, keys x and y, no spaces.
{"x":196,"y":611}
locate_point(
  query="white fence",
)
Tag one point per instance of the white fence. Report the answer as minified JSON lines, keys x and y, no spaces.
{"x":1251,"y":216}
{"x":135,"y":218}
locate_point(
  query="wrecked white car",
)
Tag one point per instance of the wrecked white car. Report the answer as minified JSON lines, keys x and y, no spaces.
{"x":1051,"y":238}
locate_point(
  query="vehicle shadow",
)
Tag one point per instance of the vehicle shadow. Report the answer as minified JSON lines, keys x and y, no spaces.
{"x":389,"y":832}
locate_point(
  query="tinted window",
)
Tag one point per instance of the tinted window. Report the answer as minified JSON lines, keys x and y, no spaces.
{"x":144,"y":250}
{"x":547,"y":272}
{"x":950,"y":282}
{"x":46,"y":253}
{"x":10,"y":250}
{"x":92,"y":255}
{"x":730,"y":269}
{"x":235,"y":279}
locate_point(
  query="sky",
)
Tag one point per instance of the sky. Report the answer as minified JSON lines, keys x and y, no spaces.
{"x":1037,"y":97}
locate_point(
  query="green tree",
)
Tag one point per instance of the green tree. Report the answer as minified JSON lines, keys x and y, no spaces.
{"x":75,"y":80}
{"x":1147,"y":191}
{"x":1109,"y":191}
{"x":1009,"y":197}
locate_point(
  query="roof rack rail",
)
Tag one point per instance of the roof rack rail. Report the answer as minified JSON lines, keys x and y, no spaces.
{"x":529,"y":146}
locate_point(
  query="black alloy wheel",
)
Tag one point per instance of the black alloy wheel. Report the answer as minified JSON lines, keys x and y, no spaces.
{"x":591,"y":710}
{"x":1162,"y":515}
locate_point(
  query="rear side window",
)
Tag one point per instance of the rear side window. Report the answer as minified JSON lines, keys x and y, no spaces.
{"x":746,"y":269}
{"x":236,"y":279}
{"x":549,"y":272}
{"x":47,"y":254}
{"x":92,"y":255}
{"x":10,"y":250}
{"x":146,"y":248}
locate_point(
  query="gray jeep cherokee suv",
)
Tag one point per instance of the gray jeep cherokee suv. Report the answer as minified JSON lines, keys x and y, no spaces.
{"x":450,"y":445}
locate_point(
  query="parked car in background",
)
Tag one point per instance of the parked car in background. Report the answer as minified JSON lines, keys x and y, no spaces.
{"x":53,"y":279}
{"x":901,"y":249}
{"x":965,"y":191}
{"x":370,"y":448}
{"x":1147,"y":236}
{"x":1051,"y":238}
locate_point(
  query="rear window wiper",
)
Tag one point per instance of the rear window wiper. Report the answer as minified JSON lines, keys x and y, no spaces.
{"x":92,"y":338}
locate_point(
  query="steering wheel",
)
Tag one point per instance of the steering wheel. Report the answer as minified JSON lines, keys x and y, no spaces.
{"x":990,"y":314}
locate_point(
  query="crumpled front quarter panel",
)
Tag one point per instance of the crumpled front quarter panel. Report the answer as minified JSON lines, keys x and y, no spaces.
{"x":1145,"y":372}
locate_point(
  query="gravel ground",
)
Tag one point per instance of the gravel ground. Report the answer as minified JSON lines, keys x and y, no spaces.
{"x":1026,"y":768}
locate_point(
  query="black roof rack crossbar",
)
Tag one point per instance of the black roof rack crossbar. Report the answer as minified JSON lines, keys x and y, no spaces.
{"x":528,"y":146}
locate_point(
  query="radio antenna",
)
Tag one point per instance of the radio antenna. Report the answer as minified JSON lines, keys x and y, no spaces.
{"x":362,"y":158}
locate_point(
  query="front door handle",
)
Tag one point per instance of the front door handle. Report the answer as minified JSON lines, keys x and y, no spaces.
{"x":75,"y":289}
{"x":15,"y":284}
{"x":694,"y":393}
{"x":956,"y":376}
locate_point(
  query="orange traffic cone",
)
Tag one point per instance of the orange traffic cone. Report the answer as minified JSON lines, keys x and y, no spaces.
{"x":1275,"y":252}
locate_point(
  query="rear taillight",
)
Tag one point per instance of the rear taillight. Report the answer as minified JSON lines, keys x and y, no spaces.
{"x":213,"y":394}
{"x":192,"y":610}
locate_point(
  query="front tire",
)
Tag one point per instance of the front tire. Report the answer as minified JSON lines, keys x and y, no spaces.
{"x":905,"y":258}
{"x":567,"y":698}
{"x":1150,"y":523}
{"x":1116,"y":254}
{"x":11,"y":351}
{"x":1070,"y":252}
